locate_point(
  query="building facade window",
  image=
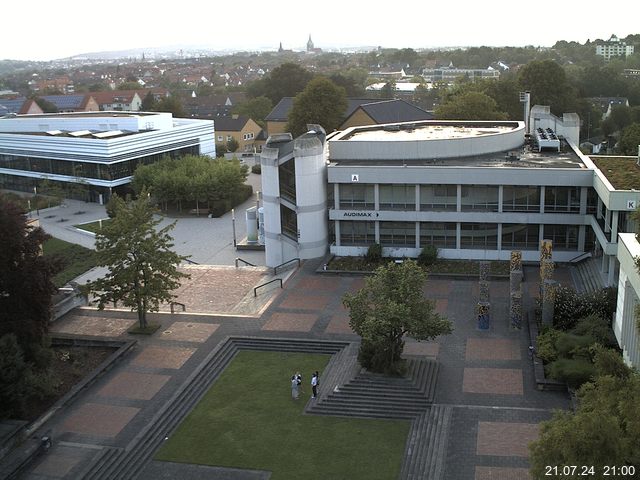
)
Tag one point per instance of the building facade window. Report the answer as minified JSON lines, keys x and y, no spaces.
{"x":479,"y":197}
{"x":438,"y":197}
{"x":397,"y":197}
{"x":438,"y":234}
{"x":289,"y":222}
{"x":520,"y":236}
{"x":520,"y":199}
{"x":356,"y":196}
{"x":564,"y":237}
{"x":479,"y":236}
{"x":562,"y":199}
{"x":398,"y":234}
{"x":354,"y":233}
{"x":287,"y":174}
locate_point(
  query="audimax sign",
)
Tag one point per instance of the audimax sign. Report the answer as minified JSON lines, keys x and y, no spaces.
{"x":361,"y":214}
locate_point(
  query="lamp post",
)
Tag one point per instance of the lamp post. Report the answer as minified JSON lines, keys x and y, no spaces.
{"x":233,"y":224}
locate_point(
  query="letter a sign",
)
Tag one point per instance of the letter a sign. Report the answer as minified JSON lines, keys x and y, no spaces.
{"x":355,"y":177}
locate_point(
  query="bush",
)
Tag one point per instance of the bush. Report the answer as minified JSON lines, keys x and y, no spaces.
{"x":571,"y":346}
{"x":220,"y":207}
{"x":546,"y":345}
{"x":571,"y":306}
{"x":257,"y":168}
{"x":374,"y":253}
{"x":573,"y":371}
{"x":428,"y":256}
{"x":597,"y":328}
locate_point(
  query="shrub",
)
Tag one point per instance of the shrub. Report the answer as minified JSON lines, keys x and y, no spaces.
{"x":570,"y":346}
{"x":428,"y":256}
{"x":599,"y":329}
{"x":573,"y":371}
{"x":374,"y":253}
{"x":571,"y":306}
{"x":257,"y":168}
{"x":546,"y":345}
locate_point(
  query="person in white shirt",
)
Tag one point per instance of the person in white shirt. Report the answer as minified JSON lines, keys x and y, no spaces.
{"x":314,"y":385}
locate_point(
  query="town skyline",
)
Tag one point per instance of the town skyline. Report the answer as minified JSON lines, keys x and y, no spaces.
{"x":492,"y":23}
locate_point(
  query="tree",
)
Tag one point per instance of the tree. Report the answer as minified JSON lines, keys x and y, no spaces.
{"x":321,"y":102}
{"x":143,"y":270}
{"x":232,"y":145}
{"x":26,"y":284}
{"x":390,"y":306}
{"x":46,"y":105}
{"x":172,"y":105}
{"x":548,"y":84}
{"x":286,"y":80}
{"x":630,"y":140}
{"x":149,"y":103}
{"x":470,"y":106}
{"x":604,"y":430}
{"x":388,"y":90}
{"x":256,"y":109}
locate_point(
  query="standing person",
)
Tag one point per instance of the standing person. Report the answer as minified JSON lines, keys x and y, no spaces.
{"x":314,"y":384}
{"x":299,"y":380}
{"x":294,"y":388}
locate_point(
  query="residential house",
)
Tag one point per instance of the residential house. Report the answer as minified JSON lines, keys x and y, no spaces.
{"x":606,"y":104}
{"x":61,"y":84}
{"x":73,"y":103}
{"x":243,"y":129}
{"x":213,"y":106}
{"x":388,"y":111}
{"x":118,"y":100}
{"x":18,"y":106}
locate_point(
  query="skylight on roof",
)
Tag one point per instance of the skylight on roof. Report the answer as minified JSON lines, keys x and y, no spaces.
{"x":80,"y":133}
{"x":110,"y":133}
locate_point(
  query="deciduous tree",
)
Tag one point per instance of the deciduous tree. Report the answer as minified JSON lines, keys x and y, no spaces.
{"x":470,"y":106}
{"x":390,"y":306}
{"x":143,"y":268}
{"x":322,"y":103}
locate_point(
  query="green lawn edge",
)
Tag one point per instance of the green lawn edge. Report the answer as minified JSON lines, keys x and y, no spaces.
{"x":76,"y":259}
{"x":248,"y":420}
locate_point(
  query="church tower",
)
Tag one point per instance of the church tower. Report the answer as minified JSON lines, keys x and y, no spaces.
{"x":310,"y":44}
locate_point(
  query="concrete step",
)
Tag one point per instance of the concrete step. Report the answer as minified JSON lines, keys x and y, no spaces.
{"x":358,"y":391}
{"x":362,"y":412}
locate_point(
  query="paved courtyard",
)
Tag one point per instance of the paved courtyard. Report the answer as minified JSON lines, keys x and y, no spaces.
{"x":486,"y":376}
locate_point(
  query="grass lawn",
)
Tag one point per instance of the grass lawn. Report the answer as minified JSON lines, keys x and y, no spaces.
{"x":249,"y":420}
{"x":93,"y":226}
{"x":76,"y":259}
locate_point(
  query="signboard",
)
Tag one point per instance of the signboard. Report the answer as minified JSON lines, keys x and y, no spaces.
{"x":360,"y":214}
{"x":355,"y":177}
{"x":631,"y":204}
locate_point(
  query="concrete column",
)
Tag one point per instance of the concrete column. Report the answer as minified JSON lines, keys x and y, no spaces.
{"x":483,"y":312}
{"x":336,"y":196}
{"x":583,"y":200}
{"x":542,"y":192}
{"x":336,"y":229}
{"x":548,"y":301}
{"x":612,"y":271}
{"x":417,"y":198}
{"x":377,"y":232}
{"x":458,"y":229}
{"x":598,"y":214}
{"x":417,"y":234}
{"x":604,"y":263}
{"x":614,"y":226}
{"x":459,"y":198}
{"x":500,"y":198}
{"x":376,"y":197}
{"x":582,"y":234}
{"x":500,"y":235}
{"x":607,"y":221}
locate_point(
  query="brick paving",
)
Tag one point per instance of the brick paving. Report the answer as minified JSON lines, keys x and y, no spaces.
{"x":501,"y":473}
{"x":492,"y":349}
{"x":496,"y":381}
{"x":139,"y":386}
{"x":189,"y":331}
{"x":505,"y":439}
{"x":99,"y":419}
{"x":163,"y":357}
{"x":486,"y":377}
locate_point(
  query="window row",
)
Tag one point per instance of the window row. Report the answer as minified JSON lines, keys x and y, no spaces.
{"x":482,"y":236}
{"x":102,"y":171}
{"x":472,"y":198}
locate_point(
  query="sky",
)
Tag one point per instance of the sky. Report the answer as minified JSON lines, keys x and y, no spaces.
{"x":46,"y":31}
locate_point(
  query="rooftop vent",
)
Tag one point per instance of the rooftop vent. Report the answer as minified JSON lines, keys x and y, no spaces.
{"x":80,"y":133}
{"x":546,"y":139}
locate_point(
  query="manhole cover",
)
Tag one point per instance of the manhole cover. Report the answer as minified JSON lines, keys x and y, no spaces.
{"x":167,"y":332}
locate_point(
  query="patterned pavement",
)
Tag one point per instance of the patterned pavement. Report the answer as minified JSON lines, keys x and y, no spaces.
{"x":486,"y":376}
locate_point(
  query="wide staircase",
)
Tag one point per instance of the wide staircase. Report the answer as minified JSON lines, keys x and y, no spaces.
{"x":587,"y":276}
{"x":372,"y":395}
